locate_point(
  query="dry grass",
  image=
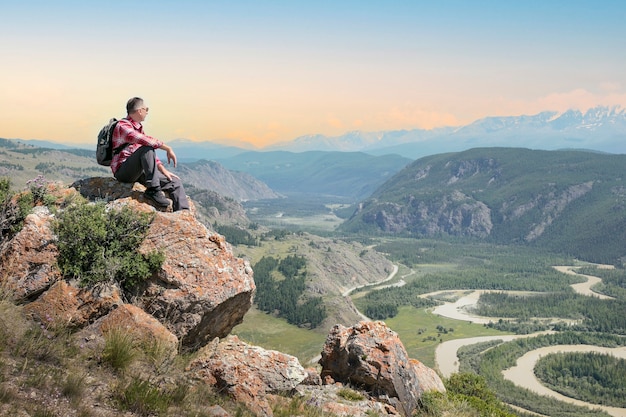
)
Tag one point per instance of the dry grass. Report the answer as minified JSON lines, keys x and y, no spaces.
{"x":53,"y":372}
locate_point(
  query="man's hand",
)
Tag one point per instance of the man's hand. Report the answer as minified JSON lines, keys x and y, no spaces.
{"x":171,"y":156}
{"x":165,"y":172}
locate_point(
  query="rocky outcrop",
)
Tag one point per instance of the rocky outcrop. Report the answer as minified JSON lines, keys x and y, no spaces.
{"x":201,"y":292}
{"x":66,"y":304}
{"x":556,"y":204}
{"x":109,"y":189}
{"x":331,"y":401}
{"x":248,"y":373}
{"x":370,"y":356}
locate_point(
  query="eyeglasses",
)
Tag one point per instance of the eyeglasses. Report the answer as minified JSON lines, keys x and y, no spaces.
{"x":147,"y":109}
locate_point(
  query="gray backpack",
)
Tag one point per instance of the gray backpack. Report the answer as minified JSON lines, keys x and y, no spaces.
{"x":104,"y":149}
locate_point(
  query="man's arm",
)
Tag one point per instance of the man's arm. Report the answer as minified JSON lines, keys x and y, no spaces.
{"x":171,"y":156}
{"x":125,"y":133}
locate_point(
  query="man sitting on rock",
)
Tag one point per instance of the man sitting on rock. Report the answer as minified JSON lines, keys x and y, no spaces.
{"x":137,"y":159}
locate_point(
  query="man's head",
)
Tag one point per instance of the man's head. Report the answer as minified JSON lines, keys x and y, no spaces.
{"x":136,"y":109}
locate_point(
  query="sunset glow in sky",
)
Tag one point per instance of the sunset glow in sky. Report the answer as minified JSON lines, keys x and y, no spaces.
{"x":269,"y":71}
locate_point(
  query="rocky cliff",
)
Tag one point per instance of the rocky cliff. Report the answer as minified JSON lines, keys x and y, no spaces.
{"x":191,"y":304}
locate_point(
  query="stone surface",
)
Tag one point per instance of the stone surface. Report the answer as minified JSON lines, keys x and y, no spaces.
{"x":141,"y":326}
{"x":247,"y":373}
{"x":109,"y":189}
{"x":329,"y":399}
{"x":202,"y":290}
{"x":66,"y":304}
{"x":28,"y":260}
{"x":371,"y":356}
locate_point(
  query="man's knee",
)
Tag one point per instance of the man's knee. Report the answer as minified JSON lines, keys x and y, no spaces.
{"x":146,"y":152}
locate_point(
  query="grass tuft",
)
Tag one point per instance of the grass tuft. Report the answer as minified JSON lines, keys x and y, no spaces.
{"x":73,"y":386}
{"x":142,"y":397}
{"x":119,"y":349}
{"x":350,"y":395}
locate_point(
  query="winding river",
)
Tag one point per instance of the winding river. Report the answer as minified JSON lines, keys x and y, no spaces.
{"x":522,"y":374}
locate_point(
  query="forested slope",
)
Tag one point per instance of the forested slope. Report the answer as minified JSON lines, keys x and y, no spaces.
{"x":572,"y":202}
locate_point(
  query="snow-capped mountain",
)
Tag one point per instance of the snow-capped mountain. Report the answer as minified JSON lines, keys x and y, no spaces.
{"x":600,"y":128}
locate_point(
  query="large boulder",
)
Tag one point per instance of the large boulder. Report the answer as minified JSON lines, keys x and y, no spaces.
{"x":371,"y":356}
{"x":109,"y":189}
{"x":202,"y":290}
{"x":247,"y":373}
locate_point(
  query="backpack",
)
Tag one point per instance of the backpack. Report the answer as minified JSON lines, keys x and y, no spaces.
{"x":104,"y":149}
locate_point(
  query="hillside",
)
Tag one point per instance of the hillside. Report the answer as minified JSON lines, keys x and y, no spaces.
{"x":332,"y":267}
{"x":210,"y":175}
{"x":572,"y":202}
{"x":23,"y":163}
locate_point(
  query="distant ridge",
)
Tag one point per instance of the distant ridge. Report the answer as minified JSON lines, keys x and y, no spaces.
{"x":602,"y":128}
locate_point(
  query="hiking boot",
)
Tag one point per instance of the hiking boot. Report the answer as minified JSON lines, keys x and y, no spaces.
{"x":157,"y":196}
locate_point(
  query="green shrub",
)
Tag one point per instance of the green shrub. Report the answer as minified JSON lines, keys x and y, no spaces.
{"x":471,"y":390}
{"x":433,"y":404}
{"x":97,"y":245}
{"x":38,"y":188}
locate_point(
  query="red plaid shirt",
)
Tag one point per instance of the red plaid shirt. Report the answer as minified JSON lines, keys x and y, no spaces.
{"x":127,"y":131}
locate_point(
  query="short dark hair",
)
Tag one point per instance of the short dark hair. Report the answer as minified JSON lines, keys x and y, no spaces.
{"x":134,"y":104}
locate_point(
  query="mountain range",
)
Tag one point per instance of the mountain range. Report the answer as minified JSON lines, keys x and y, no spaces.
{"x":602,"y":128}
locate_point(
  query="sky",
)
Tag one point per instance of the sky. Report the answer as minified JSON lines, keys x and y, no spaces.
{"x":262,"y":72}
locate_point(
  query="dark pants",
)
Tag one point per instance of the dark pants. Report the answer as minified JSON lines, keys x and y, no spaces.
{"x":141,"y":167}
